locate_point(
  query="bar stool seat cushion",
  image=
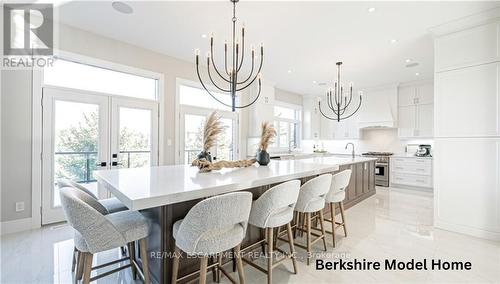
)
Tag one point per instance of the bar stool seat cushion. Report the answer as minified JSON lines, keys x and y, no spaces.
{"x":113,"y":205}
{"x":214,"y":240}
{"x":131,"y":224}
{"x":333,"y":197}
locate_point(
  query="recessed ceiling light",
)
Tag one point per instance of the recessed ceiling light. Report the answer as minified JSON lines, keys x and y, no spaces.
{"x":122,"y":7}
{"x":408,"y":60}
{"x":417,"y":74}
{"x":394,"y":41}
{"x":371,"y":10}
{"x":204,"y":36}
{"x":314,"y":82}
{"x":289,"y":71}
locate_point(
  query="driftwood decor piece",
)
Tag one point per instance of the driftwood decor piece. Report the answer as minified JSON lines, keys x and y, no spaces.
{"x":206,"y":166}
{"x":268,"y":134}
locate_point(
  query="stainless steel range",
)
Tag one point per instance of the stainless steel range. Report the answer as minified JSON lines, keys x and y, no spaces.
{"x":381,"y":167}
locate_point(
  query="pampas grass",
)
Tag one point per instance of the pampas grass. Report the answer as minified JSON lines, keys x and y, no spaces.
{"x":268,"y":134}
{"x":213,"y":127}
{"x":206,"y":166}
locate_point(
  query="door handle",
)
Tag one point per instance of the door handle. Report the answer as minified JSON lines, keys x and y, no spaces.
{"x":114,"y":164}
{"x":101,"y":164}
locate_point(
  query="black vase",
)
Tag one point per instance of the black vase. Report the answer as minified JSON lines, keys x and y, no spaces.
{"x":262,"y":157}
{"x":204,"y":155}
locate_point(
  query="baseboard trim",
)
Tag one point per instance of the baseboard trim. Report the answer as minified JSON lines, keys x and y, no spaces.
{"x":14,"y":226}
{"x":483,"y":234}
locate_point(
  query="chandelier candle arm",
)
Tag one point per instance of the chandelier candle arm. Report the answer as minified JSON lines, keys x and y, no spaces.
{"x":232,"y":67}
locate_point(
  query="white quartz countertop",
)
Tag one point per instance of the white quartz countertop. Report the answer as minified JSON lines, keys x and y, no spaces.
{"x":143,"y":188}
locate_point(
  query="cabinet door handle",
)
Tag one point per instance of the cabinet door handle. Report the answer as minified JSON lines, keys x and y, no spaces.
{"x":421,"y":170}
{"x":399,"y":168}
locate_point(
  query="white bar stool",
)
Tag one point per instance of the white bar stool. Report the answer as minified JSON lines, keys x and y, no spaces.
{"x":212,"y":226}
{"x":312,"y":200}
{"x":273,"y":209}
{"x":336,"y":195}
{"x":96,"y":232}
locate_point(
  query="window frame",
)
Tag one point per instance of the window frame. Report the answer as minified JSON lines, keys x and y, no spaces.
{"x":297,"y":121}
{"x":181,"y":110}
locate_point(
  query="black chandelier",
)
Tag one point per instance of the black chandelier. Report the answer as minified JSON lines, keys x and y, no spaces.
{"x":336,"y":100}
{"x":231,"y":76}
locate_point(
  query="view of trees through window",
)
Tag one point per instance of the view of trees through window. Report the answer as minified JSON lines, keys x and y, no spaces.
{"x":194,"y":125}
{"x":77,"y":147}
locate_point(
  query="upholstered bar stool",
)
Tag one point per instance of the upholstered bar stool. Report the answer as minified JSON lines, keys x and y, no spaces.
{"x":96,"y":232}
{"x":211,"y":227}
{"x":336,"y":195}
{"x":273,"y":209}
{"x":104,"y":206}
{"x":312,"y":200}
{"x":111,"y":205}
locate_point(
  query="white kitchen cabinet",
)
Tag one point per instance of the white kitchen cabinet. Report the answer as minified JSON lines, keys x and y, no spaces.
{"x":467,"y":185}
{"x":416,"y":110}
{"x":311,"y":119}
{"x":328,"y":128}
{"x":467,"y":48}
{"x":425,"y":120}
{"x":407,"y":120}
{"x":411,"y":171}
{"x":467,"y":102}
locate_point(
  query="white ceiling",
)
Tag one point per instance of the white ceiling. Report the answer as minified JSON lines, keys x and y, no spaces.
{"x":305,"y":37}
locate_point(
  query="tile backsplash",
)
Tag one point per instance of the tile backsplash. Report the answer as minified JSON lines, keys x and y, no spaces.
{"x":380,"y":140}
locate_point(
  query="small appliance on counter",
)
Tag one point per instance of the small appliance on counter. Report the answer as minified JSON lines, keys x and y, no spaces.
{"x":424,"y":150}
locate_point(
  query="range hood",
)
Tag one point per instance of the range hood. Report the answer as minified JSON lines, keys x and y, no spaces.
{"x":379,"y":108}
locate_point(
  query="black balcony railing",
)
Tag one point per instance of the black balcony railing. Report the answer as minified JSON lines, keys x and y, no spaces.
{"x":83,"y":163}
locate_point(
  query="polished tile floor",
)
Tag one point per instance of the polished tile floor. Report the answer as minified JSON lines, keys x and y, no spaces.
{"x":394,"y":223}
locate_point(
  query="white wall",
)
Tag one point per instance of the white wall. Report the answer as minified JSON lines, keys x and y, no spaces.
{"x":380,"y":140}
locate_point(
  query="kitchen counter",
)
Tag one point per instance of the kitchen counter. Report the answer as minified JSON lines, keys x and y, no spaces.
{"x":143,"y":188}
{"x":166,"y":194}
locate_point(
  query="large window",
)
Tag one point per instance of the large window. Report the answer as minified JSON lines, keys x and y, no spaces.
{"x":287,"y":121}
{"x":194,"y":107}
{"x":79,"y":76}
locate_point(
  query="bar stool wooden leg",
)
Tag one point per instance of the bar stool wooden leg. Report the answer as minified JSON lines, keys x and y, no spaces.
{"x":144,"y":258}
{"x":73,"y":264}
{"x":219,"y":262}
{"x":239,"y":264}
{"x":87,"y":267}
{"x":343,"y":218}
{"x":322,"y":225}
{"x":131,"y":256}
{"x":79,"y":266}
{"x":332,"y":214}
{"x":292,"y":247}
{"x":270,"y":251}
{"x":175,"y":265}
{"x":308,"y":221}
{"x":203,"y":270}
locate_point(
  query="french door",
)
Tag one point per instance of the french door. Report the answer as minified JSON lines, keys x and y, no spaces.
{"x":85,"y":131}
{"x":192,"y":120}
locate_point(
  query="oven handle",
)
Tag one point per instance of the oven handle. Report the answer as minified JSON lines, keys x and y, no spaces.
{"x":381,"y":164}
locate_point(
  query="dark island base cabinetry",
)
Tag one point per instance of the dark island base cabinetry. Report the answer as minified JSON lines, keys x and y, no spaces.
{"x":362,"y":184}
{"x":161,"y":244}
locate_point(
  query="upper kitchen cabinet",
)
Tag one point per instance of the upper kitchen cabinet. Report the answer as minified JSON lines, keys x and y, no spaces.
{"x":416,"y":110}
{"x":467,"y":48}
{"x":311,"y":119}
{"x":262,"y":110}
{"x":468,"y":102}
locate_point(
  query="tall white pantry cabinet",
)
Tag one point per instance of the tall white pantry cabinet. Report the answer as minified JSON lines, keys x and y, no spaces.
{"x":467,"y":128}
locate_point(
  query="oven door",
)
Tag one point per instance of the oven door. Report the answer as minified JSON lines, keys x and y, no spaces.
{"x":382,"y":174}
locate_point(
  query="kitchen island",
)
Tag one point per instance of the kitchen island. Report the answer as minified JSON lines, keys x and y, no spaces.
{"x":165,"y":194}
